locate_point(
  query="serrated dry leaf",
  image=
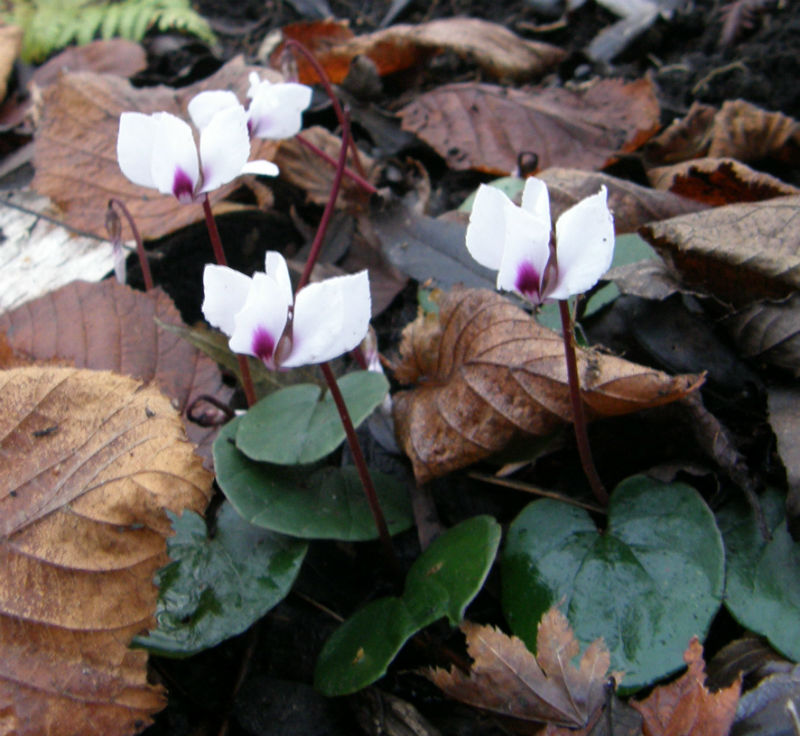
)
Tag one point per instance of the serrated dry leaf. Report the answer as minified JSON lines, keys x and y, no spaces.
{"x":499,"y":53}
{"x":686,"y":707}
{"x":75,"y":148}
{"x":632,"y":204}
{"x":718,"y":181}
{"x":484,"y":127}
{"x":738,"y":253}
{"x":107,"y":326}
{"x":91,"y":460}
{"x":487,"y":373}
{"x":507,"y":679}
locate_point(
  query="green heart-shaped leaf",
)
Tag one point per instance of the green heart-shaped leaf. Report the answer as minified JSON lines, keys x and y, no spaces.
{"x":325,"y":504}
{"x":646,"y":585}
{"x":442,"y":582}
{"x":298,"y":424}
{"x":217,"y":588}
{"x":763,"y":581}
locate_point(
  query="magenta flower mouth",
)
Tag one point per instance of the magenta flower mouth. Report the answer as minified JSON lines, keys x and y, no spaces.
{"x":528,"y":281}
{"x":263,"y":345}
{"x":182,"y":186}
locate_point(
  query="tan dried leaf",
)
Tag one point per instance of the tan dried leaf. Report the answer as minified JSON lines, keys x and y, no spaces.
{"x":507,"y":679}
{"x":686,"y":707}
{"x":487,"y":373}
{"x":91,"y":460}
{"x":484,"y":127}
{"x":739,"y":252}
{"x":75,"y":148}
{"x":718,"y":181}
{"x":10,"y":45}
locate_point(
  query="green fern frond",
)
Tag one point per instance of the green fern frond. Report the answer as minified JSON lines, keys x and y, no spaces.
{"x":50,"y":25}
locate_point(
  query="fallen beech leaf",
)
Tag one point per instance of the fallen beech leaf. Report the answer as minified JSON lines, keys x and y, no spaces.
{"x":488,"y":373}
{"x":91,"y":460}
{"x":75,"y":148}
{"x":10,"y":45}
{"x":499,"y":53}
{"x":783,"y":402}
{"x":107,"y":326}
{"x":508,"y":679}
{"x":110,"y":56}
{"x":632,"y":204}
{"x":738,"y":253}
{"x":684,"y":138}
{"x":484,"y":127}
{"x":770,"y":708}
{"x":686,"y":706}
{"x":717,"y":181}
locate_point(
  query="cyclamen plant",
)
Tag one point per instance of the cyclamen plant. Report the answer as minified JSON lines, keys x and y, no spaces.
{"x":542,"y":265}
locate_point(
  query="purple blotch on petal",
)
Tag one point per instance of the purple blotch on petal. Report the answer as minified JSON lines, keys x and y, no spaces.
{"x":528,"y":281}
{"x":263,"y":345}
{"x":182,"y":186}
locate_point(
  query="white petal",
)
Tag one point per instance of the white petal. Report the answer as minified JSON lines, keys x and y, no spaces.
{"x":259,"y":324}
{"x":585,"y":246}
{"x":224,"y":147}
{"x":330,"y":318}
{"x":135,"y":147}
{"x":276,"y":110}
{"x":526,"y":252}
{"x":204,"y":106}
{"x":276,"y":268}
{"x":255,"y":83}
{"x":261,"y":168}
{"x":486,"y":226}
{"x":225,"y":292}
{"x":174,"y":164}
{"x":535,"y":199}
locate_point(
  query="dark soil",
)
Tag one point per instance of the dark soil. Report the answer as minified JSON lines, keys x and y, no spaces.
{"x":258,"y":684}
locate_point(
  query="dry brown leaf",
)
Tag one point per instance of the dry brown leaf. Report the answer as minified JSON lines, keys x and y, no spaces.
{"x":685,"y":138}
{"x":785,"y":422}
{"x":685,"y":707}
{"x":507,"y":679}
{"x":487,"y":373}
{"x":739,"y":252}
{"x":75,"y":148}
{"x":632,"y":204}
{"x":107,"y":326}
{"x":484,"y":127}
{"x":10,"y":45}
{"x":91,"y":460}
{"x":304,"y":168}
{"x":718,"y":181}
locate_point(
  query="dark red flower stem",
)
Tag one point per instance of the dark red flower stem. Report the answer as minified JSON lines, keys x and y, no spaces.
{"x":361,"y":466}
{"x":219,"y":256}
{"x":140,"y":251}
{"x":326,"y":84}
{"x":363,"y":183}
{"x":578,"y":415}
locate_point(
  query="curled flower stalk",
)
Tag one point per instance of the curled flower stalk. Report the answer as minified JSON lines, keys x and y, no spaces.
{"x":541,"y":264}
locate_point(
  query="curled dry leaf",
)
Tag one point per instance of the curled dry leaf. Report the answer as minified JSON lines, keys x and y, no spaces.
{"x":738,"y":252}
{"x":507,"y":679}
{"x":487,"y":373}
{"x":75,"y":148}
{"x":107,"y":326}
{"x":484,"y":127}
{"x":499,"y":53}
{"x":686,"y":706}
{"x":718,"y":181}
{"x":91,"y":460}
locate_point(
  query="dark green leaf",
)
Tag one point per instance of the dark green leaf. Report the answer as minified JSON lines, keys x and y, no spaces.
{"x":217,"y":588}
{"x":647,"y":585}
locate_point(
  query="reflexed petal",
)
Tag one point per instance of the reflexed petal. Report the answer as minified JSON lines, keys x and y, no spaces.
{"x":525,"y":255}
{"x":259,"y":324}
{"x":536,"y":200}
{"x":224,"y":147}
{"x":276,"y":110}
{"x":585,"y":246}
{"x":330,"y":318}
{"x":135,"y":147}
{"x":261,"y":168}
{"x":204,"y":106}
{"x":174,"y":164}
{"x":278,"y":271}
{"x":225,"y":292}
{"x":486,"y":226}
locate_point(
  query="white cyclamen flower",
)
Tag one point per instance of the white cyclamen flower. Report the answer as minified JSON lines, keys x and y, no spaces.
{"x":516,"y":242}
{"x":159,"y":151}
{"x":262,"y":319}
